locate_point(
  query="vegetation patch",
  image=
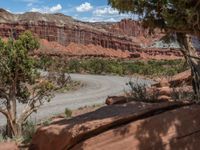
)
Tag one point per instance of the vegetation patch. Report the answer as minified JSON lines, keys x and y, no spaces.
{"x":116,"y":67}
{"x":71,"y":86}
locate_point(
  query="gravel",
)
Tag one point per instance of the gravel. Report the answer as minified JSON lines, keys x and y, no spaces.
{"x":95,"y":91}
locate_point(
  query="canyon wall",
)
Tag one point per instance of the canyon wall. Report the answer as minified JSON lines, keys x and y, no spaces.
{"x":66,"y":34}
{"x":127,"y":35}
{"x":62,"y":29}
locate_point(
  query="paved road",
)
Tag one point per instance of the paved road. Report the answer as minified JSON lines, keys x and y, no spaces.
{"x":95,"y":91}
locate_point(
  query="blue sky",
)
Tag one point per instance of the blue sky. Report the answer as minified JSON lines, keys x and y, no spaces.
{"x":85,"y":10}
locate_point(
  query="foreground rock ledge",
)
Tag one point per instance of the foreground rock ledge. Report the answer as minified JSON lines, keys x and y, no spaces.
{"x":8,"y":146}
{"x":65,"y":134}
{"x":178,"y":129}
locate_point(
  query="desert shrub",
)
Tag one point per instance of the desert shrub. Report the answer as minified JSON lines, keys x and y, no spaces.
{"x":180,"y":95}
{"x":138,"y":91}
{"x":74,"y":66}
{"x":119,"y":67}
{"x":29,"y":129}
{"x":44,"y":62}
{"x":68,"y":112}
{"x":59,"y":79}
{"x":154,"y":67}
{"x":112,"y":67}
{"x":96,"y":66}
{"x":45,"y":122}
{"x":2,"y":138}
{"x":3,"y":134}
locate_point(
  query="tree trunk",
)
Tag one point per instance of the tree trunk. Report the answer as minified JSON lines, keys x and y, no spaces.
{"x":193,"y":60}
{"x":9,"y":131}
{"x":14,"y":129}
{"x":18,"y":128}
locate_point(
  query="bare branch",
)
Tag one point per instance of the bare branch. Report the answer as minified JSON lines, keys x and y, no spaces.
{"x":33,"y":105}
{"x":195,"y":57}
{"x":27,"y":113}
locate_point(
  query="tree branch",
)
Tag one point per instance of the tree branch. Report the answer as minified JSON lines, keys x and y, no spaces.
{"x":195,"y":57}
{"x":28,"y":111}
{"x":33,"y":105}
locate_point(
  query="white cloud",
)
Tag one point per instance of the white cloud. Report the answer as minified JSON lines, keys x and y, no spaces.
{"x":8,"y":10}
{"x":46,"y":9}
{"x":56,"y":8}
{"x":105,"y":14}
{"x":36,"y":10}
{"x":84,"y":7}
{"x":105,"y":11}
{"x":100,"y":19}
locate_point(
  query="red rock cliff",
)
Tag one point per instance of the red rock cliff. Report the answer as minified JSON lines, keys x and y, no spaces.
{"x":62,"y":29}
{"x":125,"y":35}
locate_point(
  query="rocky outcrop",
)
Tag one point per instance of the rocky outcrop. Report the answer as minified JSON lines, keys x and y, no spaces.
{"x":179,"y":86}
{"x":65,"y":134}
{"x":111,"y":100}
{"x":180,"y":79}
{"x":172,"y":130}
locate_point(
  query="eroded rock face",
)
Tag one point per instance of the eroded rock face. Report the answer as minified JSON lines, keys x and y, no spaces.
{"x":62,"y":29}
{"x":127,"y":35}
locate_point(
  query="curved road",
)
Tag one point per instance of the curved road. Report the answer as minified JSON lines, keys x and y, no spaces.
{"x":95,"y":91}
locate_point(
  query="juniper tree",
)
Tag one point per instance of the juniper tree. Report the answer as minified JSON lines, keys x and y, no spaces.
{"x":178,"y":17}
{"x":20,"y":82}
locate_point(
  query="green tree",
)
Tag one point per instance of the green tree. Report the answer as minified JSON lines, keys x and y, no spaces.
{"x":20,"y":82}
{"x":180,"y":18}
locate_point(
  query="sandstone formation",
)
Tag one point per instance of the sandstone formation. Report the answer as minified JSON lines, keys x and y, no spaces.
{"x":127,"y":36}
{"x":66,"y":134}
{"x":181,"y":78}
{"x":8,"y":146}
{"x":111,"y":100}
{"x":73,"y":49}
{"x":62,"y":29}
{"x":176,"y":80}
{"x":177,"y":129}
{"x":179,"y":85}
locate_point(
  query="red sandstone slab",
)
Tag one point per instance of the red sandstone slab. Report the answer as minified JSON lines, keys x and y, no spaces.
{"x":8,"y":146}
{"x":173,"y":130}
{"x":66,"y":133}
